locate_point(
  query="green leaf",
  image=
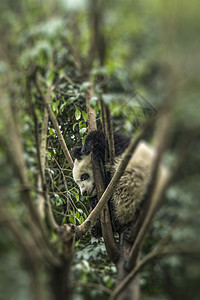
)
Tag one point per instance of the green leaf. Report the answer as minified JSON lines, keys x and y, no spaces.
{"x":76,"y":195}
{"x":81,"y":220}
{"x":61,"y":73}
{"x":77,"y":114}
{"x":72,"y":220}
{"x":83,"y":140}
{"x":77,"y":215}
{"x":49,"y":78}
{"x":52,"y":132}
{"x":74,"y":125}
{"x":82,"y":125}
{"x":84,"y":114}
{"x":54,"y":106}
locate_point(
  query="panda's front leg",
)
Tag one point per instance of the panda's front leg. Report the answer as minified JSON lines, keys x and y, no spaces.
{"x":95,"y":141}
{"x":96,"y":228}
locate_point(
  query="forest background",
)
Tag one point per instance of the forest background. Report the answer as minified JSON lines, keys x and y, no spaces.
{"x":143,"y":55}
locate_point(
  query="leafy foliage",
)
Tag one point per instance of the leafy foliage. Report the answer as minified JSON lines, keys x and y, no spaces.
{"x":148,"y":43}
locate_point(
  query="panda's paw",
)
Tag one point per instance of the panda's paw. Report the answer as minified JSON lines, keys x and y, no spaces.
{"x":89,"y":143}
{"x":77,"y":153}
{"x":87,"y":148}
{"x":96,"y":230}
{"x":94,"y":141}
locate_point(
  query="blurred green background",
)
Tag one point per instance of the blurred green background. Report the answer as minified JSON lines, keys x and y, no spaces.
{"x":151,"y":49}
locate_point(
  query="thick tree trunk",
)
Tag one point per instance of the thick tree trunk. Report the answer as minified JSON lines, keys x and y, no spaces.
{"x":60,"y":285}
{"x":132,"y":291}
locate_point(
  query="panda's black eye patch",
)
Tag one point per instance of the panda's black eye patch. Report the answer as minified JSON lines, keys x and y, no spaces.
{"x":85,"y":176}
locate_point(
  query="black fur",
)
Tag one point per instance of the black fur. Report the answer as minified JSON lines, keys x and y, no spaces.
{"x":96,"y":230}
{"x":76,"y":152}
{"x":121,"y":143}
{"x":96,"y":142}
{"x":93,"y":201}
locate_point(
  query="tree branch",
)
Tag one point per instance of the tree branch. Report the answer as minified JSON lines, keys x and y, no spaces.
{"x":40,"y":198}
{"x":41,"y":151}
{"x":40,"y":146}
{"x":74,"y":52}
{"x":150,"y":204}
{"x":52,"y":222}
{"x":161,"y":249}
{"x":33,"y":113}
{"x":111,"y":246}
{"x":106,"y":226}
{"x":108,"y":130}
{"x":97,"y":43}
{"x":15,"y":153}
{"x":90,"y":111}
{"x":158,"y":252}
{"x":56,"y":125}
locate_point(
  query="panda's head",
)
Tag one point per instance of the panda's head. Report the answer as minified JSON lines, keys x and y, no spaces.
{"x":83,"y":173}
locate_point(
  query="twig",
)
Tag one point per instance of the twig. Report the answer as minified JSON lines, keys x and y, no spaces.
{"x":74,"y":52}
{"x":41,"y":182}
{"x":56,"y":126}
{"x":52,"y":221}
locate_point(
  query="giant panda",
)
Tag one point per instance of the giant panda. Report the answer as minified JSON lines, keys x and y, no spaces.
{"x":133,"y":184}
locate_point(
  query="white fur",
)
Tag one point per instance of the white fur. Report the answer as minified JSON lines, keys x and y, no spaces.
{"x":133,"y":184}
{"x":81,"y":167}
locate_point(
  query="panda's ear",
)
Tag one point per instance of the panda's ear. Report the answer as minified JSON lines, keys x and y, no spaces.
{"x":76,"y":152}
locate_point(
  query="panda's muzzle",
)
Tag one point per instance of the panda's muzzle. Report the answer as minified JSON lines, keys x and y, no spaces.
{"x":92,"y":189}
{"x":88,"y":193}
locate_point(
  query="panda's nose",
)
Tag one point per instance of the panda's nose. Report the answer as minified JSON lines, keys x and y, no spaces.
{"x":85,"y":193}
